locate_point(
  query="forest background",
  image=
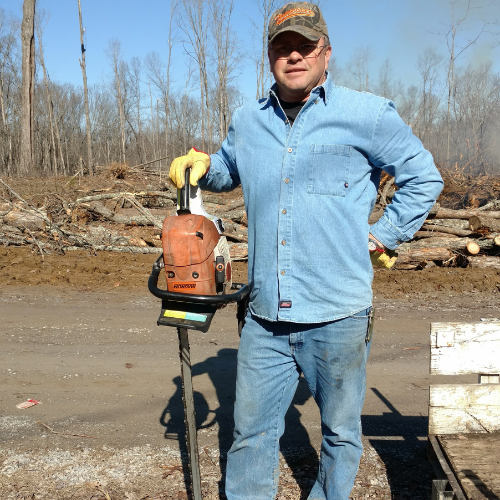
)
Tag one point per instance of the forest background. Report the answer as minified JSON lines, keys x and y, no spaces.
{"x":173,"y":79}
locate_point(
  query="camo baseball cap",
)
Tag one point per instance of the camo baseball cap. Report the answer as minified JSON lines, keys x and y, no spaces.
{"x":302,"y":17}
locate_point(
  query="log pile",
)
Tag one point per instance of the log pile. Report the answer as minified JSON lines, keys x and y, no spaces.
{"x":466,"y":237}
{"x":123,"y":218}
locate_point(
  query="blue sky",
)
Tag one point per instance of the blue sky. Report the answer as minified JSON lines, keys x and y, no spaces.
{"x":396,"y":29}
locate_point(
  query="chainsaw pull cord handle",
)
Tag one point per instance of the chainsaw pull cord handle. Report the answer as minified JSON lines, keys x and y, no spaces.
{"x":184,"y":193}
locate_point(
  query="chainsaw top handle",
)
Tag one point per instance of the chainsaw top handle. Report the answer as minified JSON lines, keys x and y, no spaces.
{"x":184,"y":193}
{"x":241,"y":292}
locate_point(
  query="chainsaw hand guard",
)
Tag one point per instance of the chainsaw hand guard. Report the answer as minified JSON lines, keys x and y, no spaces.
{"x":241,"y":292}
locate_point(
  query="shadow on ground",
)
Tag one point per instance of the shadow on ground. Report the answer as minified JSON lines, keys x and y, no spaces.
{"x":394,"y":436}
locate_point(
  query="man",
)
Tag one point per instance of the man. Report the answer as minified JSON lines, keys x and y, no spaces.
{"x":309,"y":158}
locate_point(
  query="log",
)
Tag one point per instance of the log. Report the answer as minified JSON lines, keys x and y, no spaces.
{"x":438,"y":228}
{"x":235,"y":232}
{"x":435,"y":234}
{"x":455,"y":244}
{"x":455,"y":223}
{"x":5,"y":208}
{"x":238,"y":203}
{"x":493,"y":205}
{"x":484,"y":222}
{"x":141,"y":194}
{"x":25,"y":220}
{"x":4,"y":228}
{"x":238,"y":251}
{"x":497,"y":241}
{"x":424,"y":254}
{"x":123,"y":249}
{"x":237,"y":215}
{"x":136,"y":220}
{"x":473,"y":248}
{"x":448,"y":213}
{"x":485,"y":262}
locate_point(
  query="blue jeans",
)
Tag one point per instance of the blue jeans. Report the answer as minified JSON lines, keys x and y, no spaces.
{"x":271,"y":356}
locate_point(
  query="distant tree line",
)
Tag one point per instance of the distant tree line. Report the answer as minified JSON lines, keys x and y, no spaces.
{"x":138,"y":116}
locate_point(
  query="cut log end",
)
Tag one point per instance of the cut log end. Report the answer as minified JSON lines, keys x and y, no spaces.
{"x":473,"y":248}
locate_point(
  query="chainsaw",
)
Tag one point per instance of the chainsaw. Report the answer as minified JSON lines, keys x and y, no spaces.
{"x":198,"y":272}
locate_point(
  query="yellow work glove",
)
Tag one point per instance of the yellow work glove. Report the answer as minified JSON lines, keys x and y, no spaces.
{"x":199,"y":163}
{"x":383,"y":258}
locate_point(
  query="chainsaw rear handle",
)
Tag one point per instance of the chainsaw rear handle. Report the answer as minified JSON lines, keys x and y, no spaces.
{"x":214,"y":300}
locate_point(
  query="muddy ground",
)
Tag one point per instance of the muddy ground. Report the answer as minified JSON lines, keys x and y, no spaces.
{"x":78,"y":333}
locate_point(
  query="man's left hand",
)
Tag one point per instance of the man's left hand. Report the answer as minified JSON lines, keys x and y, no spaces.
{"x":381,"y":256}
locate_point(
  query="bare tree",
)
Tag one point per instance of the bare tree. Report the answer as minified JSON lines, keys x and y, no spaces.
{"x":161,"y":81}
{"x":134,"y":77}
{"x":266,"y":8}
{"x":40,"y":24}
{"x":455,"y":53}
{"x":409,"y":105}
{"x":358,"y":67}
{"x":90,"y":160}
{"x":114,"y":55}
{"x":428,"y":67}
{"x":194,"y":26}
{"x":166,"y":102}
{"x":225,"y":59}
{"x":386,"y":87}
{"x":28,"y":86}
{"x":8,"y":51}
{"x":477,"y":99}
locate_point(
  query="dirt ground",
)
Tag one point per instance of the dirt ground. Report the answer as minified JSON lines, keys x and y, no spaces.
{"x":78,"y":333}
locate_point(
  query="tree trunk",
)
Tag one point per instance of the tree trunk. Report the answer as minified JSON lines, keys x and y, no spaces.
{"x":48,"y":97}
{"x":28,"y":86}
{"x":7,"y":134}
{"x":90,"y":160}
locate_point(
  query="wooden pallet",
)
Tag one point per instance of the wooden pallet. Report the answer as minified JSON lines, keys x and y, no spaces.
{"x":464,"y":419}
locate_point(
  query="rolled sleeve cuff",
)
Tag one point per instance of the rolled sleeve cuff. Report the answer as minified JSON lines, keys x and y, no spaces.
{"x":388,"y":234}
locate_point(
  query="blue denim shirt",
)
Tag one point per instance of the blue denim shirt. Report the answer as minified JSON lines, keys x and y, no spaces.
{"x":309,"y":190}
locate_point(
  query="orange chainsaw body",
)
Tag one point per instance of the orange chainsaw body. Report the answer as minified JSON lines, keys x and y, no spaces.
{"x":188,"y":242}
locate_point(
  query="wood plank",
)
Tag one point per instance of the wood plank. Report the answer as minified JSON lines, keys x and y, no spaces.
{"x":475,"y":460}
{"x":458,"y":348}
{"x":464,"y":408}
{"x":445,"y":466}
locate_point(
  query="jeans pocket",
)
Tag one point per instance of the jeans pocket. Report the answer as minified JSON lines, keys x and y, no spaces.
{"x":328,"y":169}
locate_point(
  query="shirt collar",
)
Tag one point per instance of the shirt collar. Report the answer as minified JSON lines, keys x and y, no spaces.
{"x":324,"y":90}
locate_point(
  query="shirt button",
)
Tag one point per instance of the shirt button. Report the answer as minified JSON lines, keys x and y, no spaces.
{"x":282,"y":273}
{"x":283,"y":242}
{"x":287,"y":180}
{"x":283,"y":211}
{"x":290,"y":150}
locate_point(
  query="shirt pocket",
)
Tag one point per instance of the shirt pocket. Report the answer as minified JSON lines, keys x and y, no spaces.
{"x":329,"y":169}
